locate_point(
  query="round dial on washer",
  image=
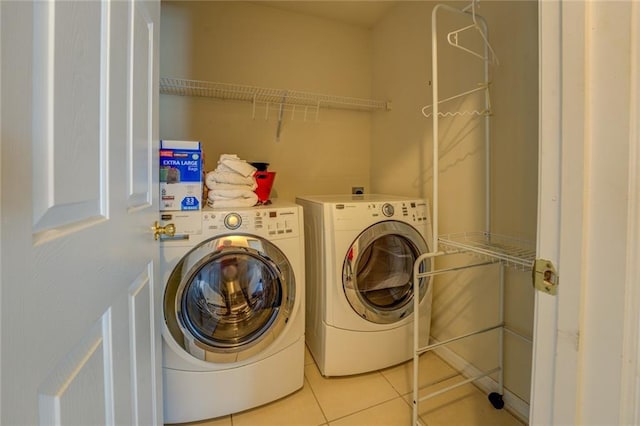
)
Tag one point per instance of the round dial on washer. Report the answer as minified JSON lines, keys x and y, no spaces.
{"x":387,"y":210}
{"x":232,"y":221}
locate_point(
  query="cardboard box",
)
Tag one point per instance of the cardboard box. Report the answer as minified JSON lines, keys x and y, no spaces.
{"x":180,"y":175}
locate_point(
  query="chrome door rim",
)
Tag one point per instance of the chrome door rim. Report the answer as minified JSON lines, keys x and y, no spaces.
{"x":379,"y":315}
{"x":181,"y":327}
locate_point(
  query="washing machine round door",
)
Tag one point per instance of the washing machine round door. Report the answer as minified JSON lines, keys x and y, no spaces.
{"x":229,"y":298}
{"x":377,"y":273}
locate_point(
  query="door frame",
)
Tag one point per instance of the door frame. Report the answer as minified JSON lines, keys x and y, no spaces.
{"x":586,"y":344}
{"x":630,"y":398}
{"x":560,"y":213}
{"x":545,"y":317}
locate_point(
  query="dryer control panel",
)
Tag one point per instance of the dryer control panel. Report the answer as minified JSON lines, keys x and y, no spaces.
{"x":282,"y":222}
{"x":354,"y":214}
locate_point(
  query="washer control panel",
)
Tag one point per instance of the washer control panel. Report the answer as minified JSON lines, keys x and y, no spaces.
{"x":282,"y":222}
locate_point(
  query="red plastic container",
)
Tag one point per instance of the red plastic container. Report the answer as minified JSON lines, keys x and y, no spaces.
{"x":265,"y":182}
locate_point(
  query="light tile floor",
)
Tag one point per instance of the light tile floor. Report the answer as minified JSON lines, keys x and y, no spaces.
{"x":380,"y":398}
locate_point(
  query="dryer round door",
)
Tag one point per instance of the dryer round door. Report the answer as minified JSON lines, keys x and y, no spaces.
{"x":229,"y":298}
{"x":377,"y":273}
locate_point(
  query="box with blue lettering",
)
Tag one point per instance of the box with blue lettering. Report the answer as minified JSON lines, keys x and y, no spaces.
{"x":180,"y":175}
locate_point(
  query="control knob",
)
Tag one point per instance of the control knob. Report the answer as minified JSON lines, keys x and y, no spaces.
{"x":232,"y":221}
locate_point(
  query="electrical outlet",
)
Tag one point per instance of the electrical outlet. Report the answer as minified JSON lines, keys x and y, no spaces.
{"x":357,"y":190}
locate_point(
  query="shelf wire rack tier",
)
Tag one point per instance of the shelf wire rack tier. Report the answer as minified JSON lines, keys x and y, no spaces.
{"x":238,"y":92}
{"x":515,"y":253}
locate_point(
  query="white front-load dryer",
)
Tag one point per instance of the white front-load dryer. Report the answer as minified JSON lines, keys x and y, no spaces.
{"x":360,"y":251}
{"x":233,"y":335}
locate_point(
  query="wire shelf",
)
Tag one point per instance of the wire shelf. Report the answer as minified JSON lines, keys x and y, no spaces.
{"x":513,"y":252}
{"x":226,"y":91}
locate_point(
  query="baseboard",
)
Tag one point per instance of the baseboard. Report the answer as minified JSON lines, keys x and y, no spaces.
{"x":512,"y":402}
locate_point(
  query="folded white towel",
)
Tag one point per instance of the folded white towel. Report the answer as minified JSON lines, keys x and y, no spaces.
{"x":217,"y":176}
{"x":216,"y":186}
{"x":226,"y":169}
{"x":218,"y":194}
{"x":239,"y":166}
{"x":235,"y":202}
{"x":218,"y":200}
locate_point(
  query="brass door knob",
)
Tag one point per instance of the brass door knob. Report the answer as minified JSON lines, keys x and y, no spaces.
{"x":169,"y":230}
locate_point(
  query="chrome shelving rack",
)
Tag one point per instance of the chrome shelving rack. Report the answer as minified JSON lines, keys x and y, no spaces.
{"x":486,"y":247}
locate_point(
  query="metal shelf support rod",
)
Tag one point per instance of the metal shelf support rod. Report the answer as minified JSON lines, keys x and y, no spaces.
{"x":457,"y":268}
{"x":501,"y":335}
{"x":454,"y":339}
{"x":518,"y":334}
{"x":461,"y":383}
{"x":416,"y":322}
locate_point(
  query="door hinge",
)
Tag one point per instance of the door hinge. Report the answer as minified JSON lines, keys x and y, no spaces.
{"x":545,"y":278}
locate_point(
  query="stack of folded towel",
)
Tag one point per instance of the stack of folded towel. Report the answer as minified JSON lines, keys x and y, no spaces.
{"x":232,"y":183}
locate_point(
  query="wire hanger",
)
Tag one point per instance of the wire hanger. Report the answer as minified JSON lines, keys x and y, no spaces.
{"x":452,"y":37}
{"x":481,"y":86}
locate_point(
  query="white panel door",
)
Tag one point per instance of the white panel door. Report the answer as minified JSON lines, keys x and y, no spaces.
{"x":585,"y":358}
{"x":80,"y":298}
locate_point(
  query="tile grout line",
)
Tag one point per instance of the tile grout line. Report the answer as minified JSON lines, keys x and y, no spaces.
{"x":365,"y":409}
{"x":390,"y":384}
{"x":315,"y":397}
{"x":328,"y":422}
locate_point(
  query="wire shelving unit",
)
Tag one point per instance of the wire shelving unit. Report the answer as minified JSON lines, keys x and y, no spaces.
{"x":486,"y":247}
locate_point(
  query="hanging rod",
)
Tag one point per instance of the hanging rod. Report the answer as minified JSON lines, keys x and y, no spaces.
{"x":226,"y":91}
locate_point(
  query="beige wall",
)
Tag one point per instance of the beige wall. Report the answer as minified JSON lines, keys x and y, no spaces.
{"x":401,"y":159}
{"x":389,"y":151}
{"x":250,"y":44}
{"x":514,"y":172}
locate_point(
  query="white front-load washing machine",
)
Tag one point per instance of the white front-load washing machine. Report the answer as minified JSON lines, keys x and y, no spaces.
{"x":360,"y":252}
{"x":233,"y":336}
